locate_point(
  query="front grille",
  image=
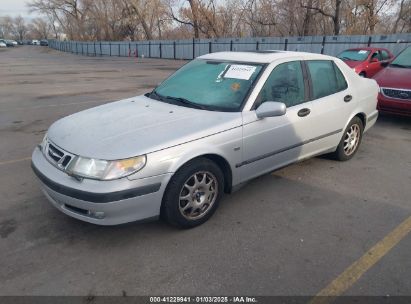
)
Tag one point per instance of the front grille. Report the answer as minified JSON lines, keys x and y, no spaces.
{"x":55,"y":153}
{"x":397,"y":93}
{"x":57,"y":156}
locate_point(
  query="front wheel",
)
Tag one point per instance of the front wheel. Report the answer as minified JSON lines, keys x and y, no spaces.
{"x":193,"y":194}
{"x":350,"y":140}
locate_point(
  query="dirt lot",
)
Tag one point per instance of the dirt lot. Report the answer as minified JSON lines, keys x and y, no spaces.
{"x":291,"y":232}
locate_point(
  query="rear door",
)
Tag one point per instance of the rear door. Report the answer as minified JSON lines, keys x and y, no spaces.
{"x":332,"y":103}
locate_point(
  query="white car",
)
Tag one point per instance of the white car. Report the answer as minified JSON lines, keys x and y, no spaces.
{"x":2,"y":44}
{"x":14,"y":42}
{"x":35,"y":42}
{"x":216,"y":123}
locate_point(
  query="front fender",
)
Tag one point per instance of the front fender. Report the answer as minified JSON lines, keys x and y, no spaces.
{"x":227,"y":145}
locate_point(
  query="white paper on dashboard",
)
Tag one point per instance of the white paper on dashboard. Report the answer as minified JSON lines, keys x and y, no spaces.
{"x":239,"y":71}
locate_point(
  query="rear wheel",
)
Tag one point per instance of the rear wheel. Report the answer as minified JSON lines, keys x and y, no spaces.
{"x":193,"y":194}
{"x":350,"y":140}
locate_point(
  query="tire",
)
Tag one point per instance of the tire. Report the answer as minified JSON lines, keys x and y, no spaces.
{"x":193,"y":194}
{"x":350,"y":140}
{"x":362,"y":74}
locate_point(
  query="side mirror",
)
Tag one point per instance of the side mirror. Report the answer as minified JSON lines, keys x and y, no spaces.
{"x":385,"y":64}
{"x":271,"y":109}
{"x":374,"y":60}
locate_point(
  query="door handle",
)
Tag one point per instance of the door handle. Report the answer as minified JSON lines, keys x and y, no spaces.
{"x":304,"y":112}
{"x":347,"y":98}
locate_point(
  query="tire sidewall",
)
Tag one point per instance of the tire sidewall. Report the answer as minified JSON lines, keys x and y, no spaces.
{"x":170,"y":206}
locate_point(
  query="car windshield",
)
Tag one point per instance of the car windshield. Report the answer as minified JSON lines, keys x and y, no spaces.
{"x":403,"y":60}
{"x":355,"y":55}
{"x":209,"y":85}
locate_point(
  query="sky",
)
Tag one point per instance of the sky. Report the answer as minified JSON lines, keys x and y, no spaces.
{"x":14,"y":8}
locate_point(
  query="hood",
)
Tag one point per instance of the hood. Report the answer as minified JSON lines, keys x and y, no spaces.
{"x":392,"y":77}
{"x":135,"y":126}
{"x":352,"y":63}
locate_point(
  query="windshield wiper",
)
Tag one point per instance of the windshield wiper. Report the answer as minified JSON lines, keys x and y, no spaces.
{"x":400,"y":65}
{"x":186,"y":102}
{"x":181,"y":100}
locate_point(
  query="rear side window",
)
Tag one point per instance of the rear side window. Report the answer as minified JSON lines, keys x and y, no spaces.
{"x":326,"y":78}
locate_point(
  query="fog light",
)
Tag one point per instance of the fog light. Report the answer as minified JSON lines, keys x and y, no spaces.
{"x":97,"y":214}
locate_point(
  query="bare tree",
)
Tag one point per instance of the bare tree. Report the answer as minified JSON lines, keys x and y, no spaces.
{"x":333,"y":13}
{"x":166,"y":19}
{"x":403,"y":17}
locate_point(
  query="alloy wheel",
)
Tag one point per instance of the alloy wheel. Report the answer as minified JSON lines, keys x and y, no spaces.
{"x":198,"y":195}
{"x":352,"y":139}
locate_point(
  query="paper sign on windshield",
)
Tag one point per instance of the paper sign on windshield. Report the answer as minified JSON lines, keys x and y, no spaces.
{"x":362,"y":52}
{"x":238,"y":71}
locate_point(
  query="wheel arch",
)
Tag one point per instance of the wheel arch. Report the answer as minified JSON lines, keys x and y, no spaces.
{"x":220,"y":161}
{"x":363,"y":117}
{"x":223,"y":164}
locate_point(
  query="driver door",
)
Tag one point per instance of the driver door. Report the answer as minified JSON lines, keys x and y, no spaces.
{"x":374,"y":65}
{"x":273,"y":142}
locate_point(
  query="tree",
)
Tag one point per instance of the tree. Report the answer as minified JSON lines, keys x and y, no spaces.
{"x":40,"y":28}
{"x":333,"y":13}
{"x":19,"y":27}
{"x":403,"y":19}
{"x":174,"y":19}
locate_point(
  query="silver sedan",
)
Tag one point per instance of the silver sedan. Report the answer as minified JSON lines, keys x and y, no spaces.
{"x":219,"y":121}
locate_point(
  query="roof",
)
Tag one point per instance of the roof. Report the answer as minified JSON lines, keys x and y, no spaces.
{"x":262,"y":56}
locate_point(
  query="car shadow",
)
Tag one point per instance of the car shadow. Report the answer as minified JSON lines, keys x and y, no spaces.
{"x":403,"y":122}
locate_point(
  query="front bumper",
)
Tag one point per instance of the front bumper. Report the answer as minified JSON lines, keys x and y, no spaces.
{"x":100,"y":202}
{"x":394,"y":106}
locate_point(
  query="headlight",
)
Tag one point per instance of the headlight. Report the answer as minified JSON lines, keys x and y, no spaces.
{"x":105,"y":169}
{"x":43,"y":142}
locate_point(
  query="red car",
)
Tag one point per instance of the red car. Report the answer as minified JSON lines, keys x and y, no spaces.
{"x":395,"y":85}
{"x":366,"y":61}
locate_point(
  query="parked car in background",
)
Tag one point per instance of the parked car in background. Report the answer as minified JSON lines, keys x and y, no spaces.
{"x":395,"y":85}
{"x":7,"y":42}
{"x":44,"y":42}
{"x":216,"y":123}
{"x":35,"y":42}
{"x":366,"y":61}
{"x":2,"y":44}
{"x":20,"y":42}
{"x":14,"y":42}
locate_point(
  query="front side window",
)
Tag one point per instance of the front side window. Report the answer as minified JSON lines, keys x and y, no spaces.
{"x":285,"y":84}
{"x":209,"y":85}
{"x":376,"y":55}
{"x":326,"y":78}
